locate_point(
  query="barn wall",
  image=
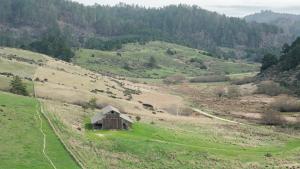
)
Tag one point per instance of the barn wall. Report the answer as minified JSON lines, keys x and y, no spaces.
{"x":114,"y":121}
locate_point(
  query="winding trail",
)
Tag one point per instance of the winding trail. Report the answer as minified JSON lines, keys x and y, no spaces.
{"x":216,"y":117}
{"x":39,"y":111}
{"x":44,"y":140}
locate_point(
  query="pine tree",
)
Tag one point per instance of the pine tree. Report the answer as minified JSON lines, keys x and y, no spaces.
{"x":152,"y":62}
{"x":18,"y":87}
{"x":268,"y":61}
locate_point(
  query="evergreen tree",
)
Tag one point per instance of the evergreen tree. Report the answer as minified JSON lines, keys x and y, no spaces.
{"x":152,"y":63}
{"x":18,"y":87}
{"x":268,"y":61}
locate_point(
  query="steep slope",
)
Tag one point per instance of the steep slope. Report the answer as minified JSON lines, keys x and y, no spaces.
{"x":134,"y":60}
{"x":105,"y":27}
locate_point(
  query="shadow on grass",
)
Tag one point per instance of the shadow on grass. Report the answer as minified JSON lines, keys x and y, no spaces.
{"x":88,"y":126}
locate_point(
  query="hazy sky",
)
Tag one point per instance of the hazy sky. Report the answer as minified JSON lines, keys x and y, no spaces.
{"x":229,"y":7}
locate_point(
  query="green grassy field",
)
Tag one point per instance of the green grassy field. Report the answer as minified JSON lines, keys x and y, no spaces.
{"x":21,"y":141}
{"x":157,"y":147}
{"x":132,"y":59}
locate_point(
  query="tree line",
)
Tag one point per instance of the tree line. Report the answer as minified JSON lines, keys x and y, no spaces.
{"x":107,"y":28}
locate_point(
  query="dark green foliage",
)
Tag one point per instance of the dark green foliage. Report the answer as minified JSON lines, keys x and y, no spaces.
{"x":285,"y":48}
{"x":53,"y":44}
{"x":198,"y":62}
{"x":152,"y":63}
{"x":171,"y":52}
{"x":298,"y":76}
{"x":18,"y":87}
{"x":268,"y":61}
{"x":107,"y":28}
{"x":291,"y":58}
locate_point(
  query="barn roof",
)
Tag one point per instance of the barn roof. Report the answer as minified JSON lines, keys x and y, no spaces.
{"x":107,"y":109}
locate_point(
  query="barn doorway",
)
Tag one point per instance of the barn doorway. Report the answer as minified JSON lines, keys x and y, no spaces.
{"x":125,"y":127}
{"x":98,"y":126}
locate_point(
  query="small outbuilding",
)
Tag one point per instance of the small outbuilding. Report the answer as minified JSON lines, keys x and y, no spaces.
{"x":111,"y":118}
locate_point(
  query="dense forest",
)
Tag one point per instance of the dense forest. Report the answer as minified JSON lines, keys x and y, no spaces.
{"x":23,"y":22}
{"x":285,"y":68}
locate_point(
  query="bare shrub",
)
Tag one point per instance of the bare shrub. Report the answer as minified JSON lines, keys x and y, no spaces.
{"x":186,"y":111}
{"x":233,"y":91}
{"x":220,"y":92}
{"x":91,"y":104}
{"x":297,"y":124}
{"x":242,"y":81}
{"x":174,"y":79}
{"x":180,"y":111}
{"x":138,"y":118}
{"x":83,"y":104}
{"x":269,"y":88}
{"x":286,"y":104}
{"x":272,"y":118}
{"x":213,"y":78}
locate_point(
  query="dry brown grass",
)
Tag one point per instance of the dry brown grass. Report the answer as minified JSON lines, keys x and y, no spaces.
{"x":175,"y":79}
{"x":233,"y":92}
{"x":220,"y":92}
{"x":243,"y":81}
{"x":206,"y":79}
{"x":72,"y":84}
{"x":180,"y":111}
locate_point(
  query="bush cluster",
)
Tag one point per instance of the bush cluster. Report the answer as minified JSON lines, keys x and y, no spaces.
{"x":207,"y":79}
{"x":270,"y":88}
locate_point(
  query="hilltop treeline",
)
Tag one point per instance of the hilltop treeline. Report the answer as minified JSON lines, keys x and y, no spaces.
{"x":103,"y":27}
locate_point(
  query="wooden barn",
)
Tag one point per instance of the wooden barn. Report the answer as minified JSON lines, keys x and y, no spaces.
{"x":111,"y":118}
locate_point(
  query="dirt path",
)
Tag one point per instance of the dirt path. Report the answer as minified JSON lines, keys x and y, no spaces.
{"x":44,"y":139}
{"x":41,"y":111}
{"x":216,"y":117}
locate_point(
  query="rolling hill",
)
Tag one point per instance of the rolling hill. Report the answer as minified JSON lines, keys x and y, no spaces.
{"x":132,"y":60}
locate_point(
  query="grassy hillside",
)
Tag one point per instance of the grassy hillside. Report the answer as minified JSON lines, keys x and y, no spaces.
{"x":133,"y":60}
{"x":16,"y":62}
{"x":21,"y":140}
{"x":175,"y":142}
